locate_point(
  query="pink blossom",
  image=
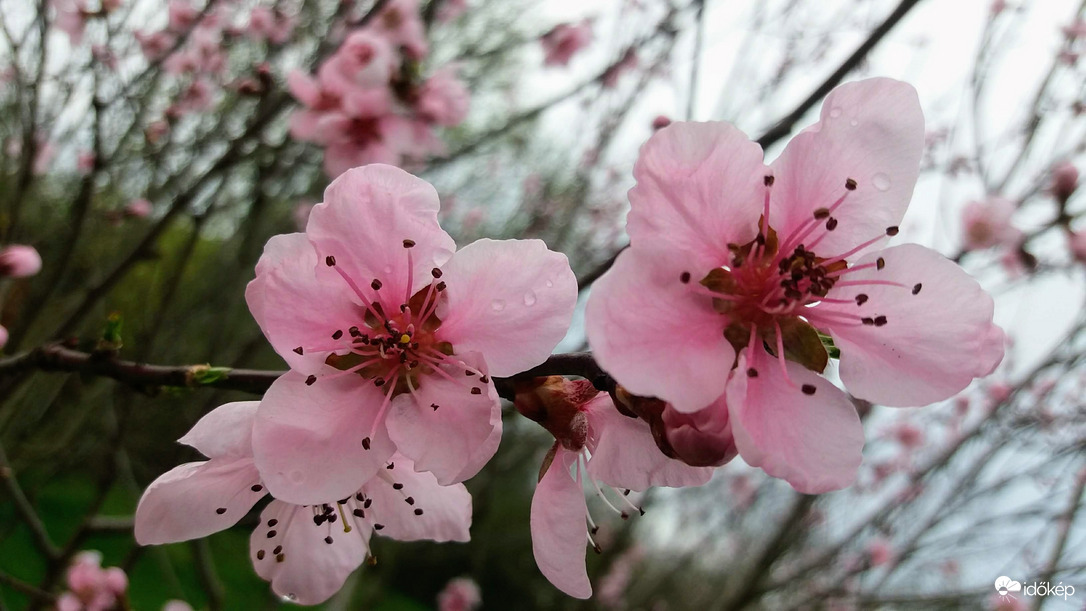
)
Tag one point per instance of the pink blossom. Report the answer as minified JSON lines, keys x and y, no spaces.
{"x":71,"y":18}
{"x":295,"y":547}
{"x":460,"y":594}
{"x":1077,"y":244}
{"x":595,"y":444}
{"x":139,"y":208}
{"x":318,"y":102}
{"x":988,"y":223}
{"x":443,"y":98}
{"x":155,"y":45}
{"x":451,"y":10}
{"x":85,"y":162}
{"x":402,"y":26}
{"x":364,"y":61}
{"x":19,"y":261}
{"x":1008,"y":602}
{"x":1075,"y":29}
{"x":879,"y":551}
{"x":43,"y":156}
{"x":269,"y":24}
{"x":90,"y":587}
{"x":1064,"y":180}
{"x":3,"y":336}
{"x":908,"y":435}
{"x":564,"y":41}
{"x":182,"y":15}
{"x":660,"y":122}
{"x":997,"y":7}
{"x":392,"y":333}
{"x":705,"y":271}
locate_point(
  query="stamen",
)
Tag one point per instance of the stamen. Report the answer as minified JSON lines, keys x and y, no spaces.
{"x":780,"y":354}
{"x":409,"y":244}
{"x":357,"y":291}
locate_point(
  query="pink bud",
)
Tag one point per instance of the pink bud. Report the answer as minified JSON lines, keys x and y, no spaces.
{"x":116,"y":580}
{"x":138,"y":208}
{"x":1077,"y":242}
{"x":3,"y":336}
{"x":460,"y":594}
{"x":18,"y":261}
{"x":660,"y":122}
{"x":1064,"y":180}
{"x":701,"y":439}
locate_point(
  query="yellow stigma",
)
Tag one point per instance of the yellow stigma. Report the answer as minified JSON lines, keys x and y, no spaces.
{"x":405,"y":339}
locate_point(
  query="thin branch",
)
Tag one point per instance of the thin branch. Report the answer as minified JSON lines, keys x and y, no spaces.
{"x":25,"y":509}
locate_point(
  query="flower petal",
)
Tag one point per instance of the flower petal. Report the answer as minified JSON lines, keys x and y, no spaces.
{"x":655,"y":337}
{"x":937,"y":336}
{"x":559,"y":530}
{"x":699,"y":187}
{"x":436,"y":512}
{"x":308,"y":440}
{"x":226,"y":430}
{"x":298,"y":305}
{"x":366,"y":216}
{"x":511,"y":300}
{"x":624,"y":454}
{"x":805,"y":431}
{"x":871,"y":131}
{"x":293,"y":553}
{"x":443,"y":427}
{"x":185,"y":502}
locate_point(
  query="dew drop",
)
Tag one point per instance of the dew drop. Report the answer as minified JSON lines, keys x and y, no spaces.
{"x":549,"y":284}
{"x":854,"y":123}
{"x":881,"y":181}
{"x":835,"y":112}
{"x":497,"y":305}
{"x":388,"y":269}
{"x":529,"y":298}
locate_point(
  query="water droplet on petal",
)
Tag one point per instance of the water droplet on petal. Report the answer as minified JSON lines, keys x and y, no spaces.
{"x":835,"y":112}
{"x":550,"y":284}
{"x":854,"y":123}
{"x":388,"y":269}
{"x":529,"y":298}
{"x":881,"y":181}
{"x":497,"y":305}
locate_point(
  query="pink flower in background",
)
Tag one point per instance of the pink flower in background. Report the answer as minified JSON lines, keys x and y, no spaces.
{"x":90,"y":587}
{"x":71,"y":18}
{"x":443,"y":98}
{"x":317,"y":100}
{"x":365,"y":61}
{"x":3,"y":336}
{"x":660,"y":122}
{"x":736,"y":262}
{"x":270,"y":24}
{"x":451,"y":10}
{"x":401,"y":24}
{"x":85,"y":162}
{"x":306,"y":552}
{"x":879,"y":551}
{"x":155,"y":45}
{"x":460,"y":594}
{"x":564,"y":41}
{"x":19,"y":261}
{"x":1077,"y":243}
{"x":139,"y":208}
{"x":43,"y":157}
{"x":182,"y":15}
{"x":594,"y":444}
{"x":988,"y":223}
{"x":385,"y":327}
{"x":1064,"y":180}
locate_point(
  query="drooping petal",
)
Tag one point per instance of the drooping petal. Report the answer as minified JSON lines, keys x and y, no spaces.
{"x":298,"y":308}
{"x":654,"y":336}
{"x":700,"y":186}
{"x":624,"y":454}
{"x":806,"y":431}
{"x":559,"y":529}
{"x":197,"y":499}
{"x":444,"y":426}
{"x":871,"y":131}
{"x":418,"y":507}
{"x":305,"y":562}
{"x":366,"y":216}
{"x":702,"y":438}
{"x":937,"y":334}
{"x":226,"y":430}
{"x":510,"y":300}
{"x":308,"y":440}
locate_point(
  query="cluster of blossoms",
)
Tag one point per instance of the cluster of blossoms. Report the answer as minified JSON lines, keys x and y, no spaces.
{"x":91,"y":587}
{"x":17,"y":261}
{"x":742,"y":283}
{"x":365,"y":104}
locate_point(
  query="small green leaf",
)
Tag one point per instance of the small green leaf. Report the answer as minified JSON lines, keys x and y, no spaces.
{"x":205,"y":374}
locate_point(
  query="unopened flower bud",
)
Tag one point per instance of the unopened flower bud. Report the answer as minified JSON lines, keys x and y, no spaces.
{"x":1064,"y":180}
{"x":660,"y":122}
{"x":18,"y":261}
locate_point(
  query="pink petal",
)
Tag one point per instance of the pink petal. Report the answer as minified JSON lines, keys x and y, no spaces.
{"x":298,"y":305}
{"x":308,"y":440}
{"x":625,"y":456}
{"x":655,"y":337}
{"x":437,"y":513}
{"x":813,"y":441}
{"x":871,"y":131}
{"x":700,"y":186}
{"x":226,"y":430}
{"x":511,"y":300}
{"x":311,"y":569}
{"x":303,"y":87}
{"x":184,"y":502}
{"x":366,"y":215}
{"x":457,"y":438}
{"x":559,"y":529}
{"x":934,"y":342}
